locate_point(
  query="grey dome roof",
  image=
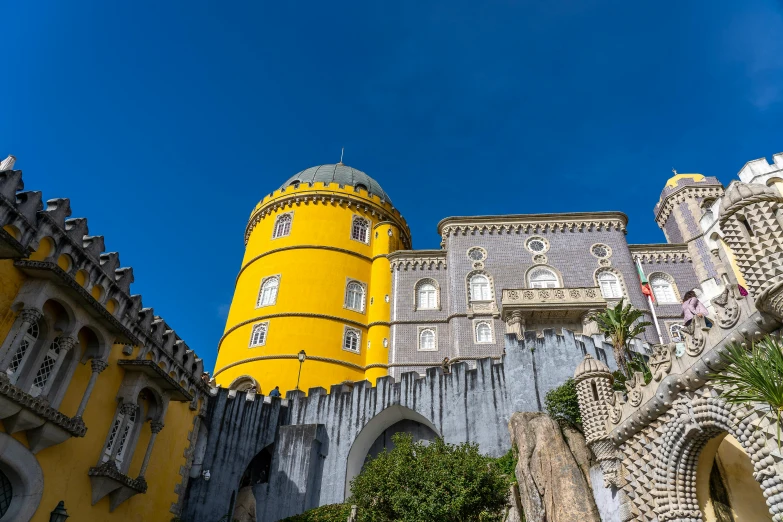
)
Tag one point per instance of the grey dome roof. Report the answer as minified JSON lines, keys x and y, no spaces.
{"x":591,"y":367}
{"x":338,"y":173}
{"x":739,"y":191}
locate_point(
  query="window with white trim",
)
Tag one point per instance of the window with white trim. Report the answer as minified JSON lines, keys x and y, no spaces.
{"x":25,"y":347}
{"x":48,"y":369}
{"x":428,"y":340}
{"x":479,"y":288}
{"x":663,"y":289}
{"x":267,"y":295}
{"x":543,"y":278}
{"x":122,"y":439}
{"x":352,"y":339}
{"x":483,"y":332}
{"x":354,"y":296}
{"x":282,"y":225}
{"x":610,"y":285}
{"x":258,"y":335}
{"x":427,"y":297}
{"x":360,"y":229}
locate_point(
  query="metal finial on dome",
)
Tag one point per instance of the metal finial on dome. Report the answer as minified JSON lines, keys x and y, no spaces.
{"x":342,"y":151}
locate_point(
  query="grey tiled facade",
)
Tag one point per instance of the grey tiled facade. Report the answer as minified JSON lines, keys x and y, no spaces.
{"x":508,"y":263}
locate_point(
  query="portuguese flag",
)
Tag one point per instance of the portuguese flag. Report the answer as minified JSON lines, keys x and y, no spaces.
{"x":646,"y":290}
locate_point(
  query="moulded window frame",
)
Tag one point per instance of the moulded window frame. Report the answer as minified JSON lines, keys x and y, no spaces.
{"x":350,"y":329}
{"x":616,"y":280}
{"x":367,"y":234}
{"x":468,"y":287}
{"x":620,"y":280}
{"x":348,"y":282}
{"x":476,"y":324}
{"x":419,"y":331}
{"x":416,"y":297}
{"x":290,"y":226}
{"x":535,"y":268}
{"x":261,"y":290}
{"x":262,"y":324}
{"x":672,"y":283}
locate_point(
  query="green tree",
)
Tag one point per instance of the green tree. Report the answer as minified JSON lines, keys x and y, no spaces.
{"x":754,"y":376}
{"x":435,"y":482}
{"x":562,"y":404}
{"x":620,"y":325}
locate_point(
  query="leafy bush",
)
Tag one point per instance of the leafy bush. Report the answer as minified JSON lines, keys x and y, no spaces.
{"x":508,"y":464}
{"x":562,"y":405}
{"x":435,"y":482}
{"x":329,"y":513}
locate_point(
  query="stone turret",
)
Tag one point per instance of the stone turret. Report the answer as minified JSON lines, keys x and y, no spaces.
{"x":751,"y":219}
{"x":594,"y":389}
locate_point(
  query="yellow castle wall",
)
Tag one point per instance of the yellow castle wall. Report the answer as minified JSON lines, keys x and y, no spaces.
{"x":314,"y":262}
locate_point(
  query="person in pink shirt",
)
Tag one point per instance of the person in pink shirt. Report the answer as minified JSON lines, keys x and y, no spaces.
{"x":692,"y":307}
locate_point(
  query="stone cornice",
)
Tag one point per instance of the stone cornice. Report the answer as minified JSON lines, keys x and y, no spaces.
{"x":327,"y":197}
{"x":703,"y":190}
{"x":536,"y":223}
{"x":109,"y":469}
{"x":73,"y":425}
{"x":661,"y":253}
{"x":418,"y":259}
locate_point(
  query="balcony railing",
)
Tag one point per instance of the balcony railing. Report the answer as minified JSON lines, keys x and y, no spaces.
{"x":563,"y":302}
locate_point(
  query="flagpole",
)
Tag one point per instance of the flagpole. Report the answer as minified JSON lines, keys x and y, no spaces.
{"x":650,"y":302}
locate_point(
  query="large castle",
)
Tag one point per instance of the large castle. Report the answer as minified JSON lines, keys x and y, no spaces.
{"x":437,"y":343}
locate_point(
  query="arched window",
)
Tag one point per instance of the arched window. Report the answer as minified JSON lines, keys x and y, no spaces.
{"x":258,"y":335}
{"x":483,"y":332}
{"x":121,"y":439}
{"x":744,"y":222}
{"x":48,"y":369}
{"x":543,"y":278}
{"x":25,"y":348}
{"x":427,"y":297}
{"x":360,"y":229}
{"x":610,"y":285}
{"x":663,"y":289}
{"x":351,"y":339}
{"x":282,"y":225}
{"x":427,"y":340}
{"x":354,"y":296}
{"x":268,"y":293}
{"x":479,"y":288}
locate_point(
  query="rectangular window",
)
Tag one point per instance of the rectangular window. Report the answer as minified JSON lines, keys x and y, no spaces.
{"x":258,"y":336}
{"x":352,"y":339}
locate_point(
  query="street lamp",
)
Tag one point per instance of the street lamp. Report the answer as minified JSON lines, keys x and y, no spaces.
{"x":59,"y":514}
{"x":301,"y":356}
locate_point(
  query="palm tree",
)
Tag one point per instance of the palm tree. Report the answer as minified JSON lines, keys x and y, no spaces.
{"x":755,"y":375}
{"x":620,"y":325}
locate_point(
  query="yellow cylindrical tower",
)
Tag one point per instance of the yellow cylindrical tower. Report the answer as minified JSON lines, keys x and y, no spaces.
{"x":315,"y":277}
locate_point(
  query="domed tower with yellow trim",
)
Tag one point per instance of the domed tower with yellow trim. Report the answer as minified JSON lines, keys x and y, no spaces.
{"x":315,"y":277}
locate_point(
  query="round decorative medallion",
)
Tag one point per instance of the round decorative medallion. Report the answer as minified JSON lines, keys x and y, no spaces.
{"x":537,"y":245}
{"x":478,"y":265}
{"x":601,"y":251}
{"x":604,"y":262}
{"x":477,"y":254}
{"x":539,"y":259}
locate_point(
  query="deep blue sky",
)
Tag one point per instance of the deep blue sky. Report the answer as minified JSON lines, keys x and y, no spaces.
{"x":165,"y":122}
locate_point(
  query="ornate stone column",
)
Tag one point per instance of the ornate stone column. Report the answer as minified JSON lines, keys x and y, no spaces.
{"x":98,"y":365}
{"x":24,"y":320}
{"x":589,"y":326}
{"x":515,"y":324}
{"x":155,"y":426}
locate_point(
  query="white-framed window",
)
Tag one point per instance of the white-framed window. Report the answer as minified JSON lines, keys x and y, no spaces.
{"x":352,"y":339}
{"x":258,"y":335}
{"x":428,"y":339}
{"x":28,"y":341}
{"x":48,"y":369}
{"x":610,"y":285}
{"x":483,"y":331}
{"x":267,"y":295}
{"x":121,"y":439}
{"x":543,"y":278}
{"x":282,"y":225}
{"x":480,"y":289}
{"x":426,"y":295}
{"x":360,"y":229}
{"x":663,"y":289}
{"x":354,"y":296}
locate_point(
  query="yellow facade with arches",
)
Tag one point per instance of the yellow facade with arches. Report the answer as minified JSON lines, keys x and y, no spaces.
{"x":315,"y":277}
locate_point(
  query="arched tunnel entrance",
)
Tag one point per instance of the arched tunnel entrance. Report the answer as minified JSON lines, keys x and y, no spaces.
{"x":377,"y":434}
{"x":243,"y":507}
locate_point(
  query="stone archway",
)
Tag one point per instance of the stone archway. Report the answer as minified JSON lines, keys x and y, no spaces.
{"x":677,"y":457}
{"x":368,"y":437}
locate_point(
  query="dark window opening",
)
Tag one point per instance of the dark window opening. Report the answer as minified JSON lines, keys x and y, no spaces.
{"x":744,"y":222}
{"x":359,"y":186}
{"x":595,"y":391}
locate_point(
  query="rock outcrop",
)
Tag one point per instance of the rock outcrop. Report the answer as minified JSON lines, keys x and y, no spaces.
{"x":553,"y":471}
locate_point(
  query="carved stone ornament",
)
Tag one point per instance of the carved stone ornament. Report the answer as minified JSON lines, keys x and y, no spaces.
{"x":615,"y":402}
{"x":31,"y":315}
{"x":98,"y":365}
{"x":540,"y":259}
{"x":661,"y":361}
{"x":727,"y":309}
{"x":695,"y":336}
{"x":634,"y":387}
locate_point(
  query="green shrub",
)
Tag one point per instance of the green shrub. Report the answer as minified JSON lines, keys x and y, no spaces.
{"x":435,"y":482}
{"x":329,"y":513}
{"x":562,"y":405}
{"x":508,"y":464}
